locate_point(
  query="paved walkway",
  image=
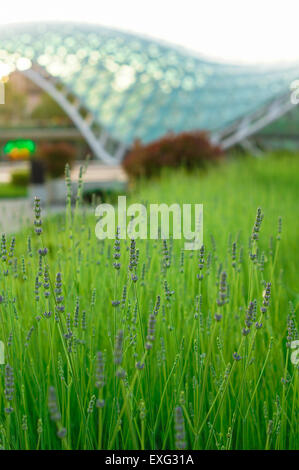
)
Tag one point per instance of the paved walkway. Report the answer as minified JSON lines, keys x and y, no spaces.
{"x":96,"y":171}
{"x":17,"y":213}
{"x":14,"y":214}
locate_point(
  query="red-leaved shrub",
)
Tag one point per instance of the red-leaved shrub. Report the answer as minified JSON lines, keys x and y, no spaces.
{"x":188,"y":149}
{"x":55,"y":156}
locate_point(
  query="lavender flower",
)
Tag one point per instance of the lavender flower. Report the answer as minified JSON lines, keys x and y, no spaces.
{"x":245,"y":331}
{"x":68,"y":182}
{"x":182,"y":261}
{"x":69,"y":334}
{"x":139,"y":365}
{"x":91,"y":404}
{"x":201,"y":262}
{"x":124,"y":296}
{"x":236,"y":356}
{"x":39,"y":426}
{"x":166,"y":257}
{"x":40,"y":265}
{"x":234,"y":254}
{"x":257,"y":224}
{"x":157,"y":305}
{"x":262,"y":262}
{"x":9,"y":387}
{"x":24,"y":423}
{"x":52,"y":405}
{"x":116,"y":254}
{"x":100,"y":378}
{"x":28,"y":337}
{"x":180,"y":434}
{"x":222,"y":296}
{"x":10,"y":339}
{"x":58,"y":292}
{"x":61,"y":433}
{"x":142,"y":410}
{"x":43,"y":251}
{"x":266,"y":298}
{"x":93,"y":297}
{"x":47,"y":314}
{"x":291,"y":327}
{"x":118,"y":349}
{"x":83,"y":323}
{"x":29,"y":248}
{"x":118,"y":354}
{"x":3,"y":248}
{"x":168,"y":292}
{"x":279,"y":228}
{"x":132,"y":261}
{"x":11,"y":249}
{"x":250,"y":314}
{"x":100,"y":403}
{"x":36,"y":289}
{"x":37,"y":213}
{"x":120,"y":373}
{"x":151,"y":331}
{"x":46,"y":282}
{"x":24,"y":269}
{"x":76,"y":313}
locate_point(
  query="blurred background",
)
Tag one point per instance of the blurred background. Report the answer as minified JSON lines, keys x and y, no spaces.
{"x":135,"y":87}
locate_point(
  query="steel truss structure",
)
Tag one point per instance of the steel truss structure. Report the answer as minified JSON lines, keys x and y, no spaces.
{"x":72,"y":108}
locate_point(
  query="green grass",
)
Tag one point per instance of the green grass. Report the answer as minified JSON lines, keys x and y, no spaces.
{"x":8,"y":190}
{"x":191,"y":392}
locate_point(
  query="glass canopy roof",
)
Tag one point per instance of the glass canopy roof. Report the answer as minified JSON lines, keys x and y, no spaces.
{"x":141,"y":88}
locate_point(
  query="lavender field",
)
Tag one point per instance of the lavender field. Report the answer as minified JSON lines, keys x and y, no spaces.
{"x":138,"y":344}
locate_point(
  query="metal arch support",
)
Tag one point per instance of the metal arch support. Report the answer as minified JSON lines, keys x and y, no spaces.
{"x":71,"y":109}
{"x":252,"y":123}
{"x":227,"y":137}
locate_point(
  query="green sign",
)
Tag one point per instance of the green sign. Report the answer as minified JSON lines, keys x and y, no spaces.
{"x":19,"y":148}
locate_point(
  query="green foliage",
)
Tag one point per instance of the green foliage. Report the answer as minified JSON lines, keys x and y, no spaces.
{"x":15,"y":106}
{"x":48,"y":110}
{"x":55,"y":156}
{"x":20,"y":178}
{"x":8,"y":190}
{"x":87,"y":366}
{"x":191,"y":149}
{"x":104,"y":194}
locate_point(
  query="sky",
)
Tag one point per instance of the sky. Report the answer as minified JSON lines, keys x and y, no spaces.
{"x":236,"y":31}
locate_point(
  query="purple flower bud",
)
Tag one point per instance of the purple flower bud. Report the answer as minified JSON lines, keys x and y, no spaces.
{"x":236,"y":356}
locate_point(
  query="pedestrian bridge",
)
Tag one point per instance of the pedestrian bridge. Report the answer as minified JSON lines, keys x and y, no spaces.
{"x":117,"y":87}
